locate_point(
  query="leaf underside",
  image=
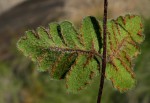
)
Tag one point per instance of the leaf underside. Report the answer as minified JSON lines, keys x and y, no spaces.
{"x":75,"y":55}
{"x":64,"y":52}
{"x":123,"y":39}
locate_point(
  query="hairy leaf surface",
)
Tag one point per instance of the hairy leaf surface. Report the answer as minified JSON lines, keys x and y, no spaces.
{"x":76,"y":55}
{"x":123,"y":39}
{"x":64,"y":52}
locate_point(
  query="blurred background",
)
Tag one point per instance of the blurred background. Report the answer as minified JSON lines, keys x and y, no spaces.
{"x":20,"y":82}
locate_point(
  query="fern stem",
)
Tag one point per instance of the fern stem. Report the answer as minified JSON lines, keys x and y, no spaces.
{"x":102,"y":79}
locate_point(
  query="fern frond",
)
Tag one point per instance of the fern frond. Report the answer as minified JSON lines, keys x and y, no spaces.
{"x":124,"y":37}
{"x":76,"y":55}
{"x":64,"y":52}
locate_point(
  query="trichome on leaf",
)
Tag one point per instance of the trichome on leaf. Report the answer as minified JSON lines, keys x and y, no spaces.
{"x":76,"y":55}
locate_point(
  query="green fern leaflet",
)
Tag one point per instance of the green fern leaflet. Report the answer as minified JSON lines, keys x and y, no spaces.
{"x":76,"y":55}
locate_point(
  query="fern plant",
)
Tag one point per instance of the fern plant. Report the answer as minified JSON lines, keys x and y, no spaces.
{"x":79,"y":56}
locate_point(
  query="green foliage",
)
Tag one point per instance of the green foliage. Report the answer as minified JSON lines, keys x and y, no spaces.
{"x":76,"y":56}
{"x":64,"y":52}
{"x":124,"y":37}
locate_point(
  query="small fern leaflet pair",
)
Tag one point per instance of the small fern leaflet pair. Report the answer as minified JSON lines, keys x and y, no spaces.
{"x":76,"y":55}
